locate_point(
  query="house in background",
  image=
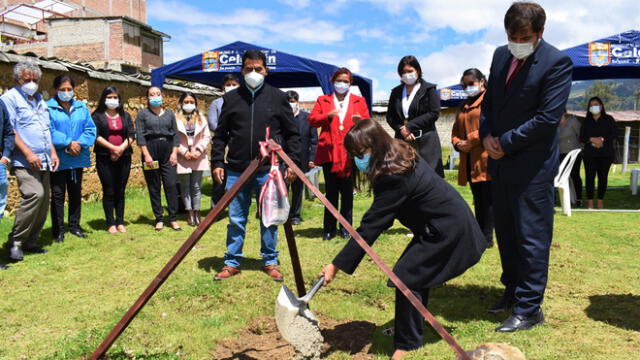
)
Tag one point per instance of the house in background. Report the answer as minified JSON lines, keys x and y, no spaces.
{"x":107,"y":34}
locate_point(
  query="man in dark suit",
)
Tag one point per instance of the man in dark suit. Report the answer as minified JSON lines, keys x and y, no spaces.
{"x":527,"y":91}
{"x":308,"y":144}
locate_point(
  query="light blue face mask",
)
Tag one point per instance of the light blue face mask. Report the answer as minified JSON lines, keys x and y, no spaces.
{"x":65,"y":95}
{"x":155,"y":101}
{"x":362,"y":163}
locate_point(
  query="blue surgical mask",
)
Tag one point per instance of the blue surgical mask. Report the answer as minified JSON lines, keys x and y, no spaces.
{"x":65,"y":95}
{"x":362,"y":163}
{"x":155,"y":101}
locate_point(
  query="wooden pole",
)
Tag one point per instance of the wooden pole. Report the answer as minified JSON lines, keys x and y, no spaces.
{"x":376,"y":259}
{"x":186,"y":247}
{"x":295,"y":258}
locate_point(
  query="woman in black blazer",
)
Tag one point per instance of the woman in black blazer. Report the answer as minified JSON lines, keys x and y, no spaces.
{"x":414,"y":108}
{"x":447,"y":239}
{"x":113,"y":155}
{"x":597,"y":133}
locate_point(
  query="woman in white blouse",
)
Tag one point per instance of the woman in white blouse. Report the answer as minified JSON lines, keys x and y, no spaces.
{"x":414,"y":108}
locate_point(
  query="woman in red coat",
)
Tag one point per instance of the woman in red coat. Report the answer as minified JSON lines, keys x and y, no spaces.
{"x":335,"y":114}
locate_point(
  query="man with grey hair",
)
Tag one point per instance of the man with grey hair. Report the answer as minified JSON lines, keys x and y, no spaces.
{"x":32,"y":159}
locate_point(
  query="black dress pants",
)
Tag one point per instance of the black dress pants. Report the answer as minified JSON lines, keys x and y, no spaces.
{"x":160,"y":149}
{"x":337,"y":187}
{"x":482,"y":204}
{"x":114,"y":176}
{"x":483,"y":207}
{"x":575,"y":175}
{"x":65,"y":182}
{"x":217,"y":190}
{"x":524,"y":229}
{"x":597,"y":166}
{"x":409,"y":323}
{"x":297,"y":188}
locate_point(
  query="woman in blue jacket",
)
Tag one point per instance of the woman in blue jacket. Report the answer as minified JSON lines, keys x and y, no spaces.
{"x":73,"y":133}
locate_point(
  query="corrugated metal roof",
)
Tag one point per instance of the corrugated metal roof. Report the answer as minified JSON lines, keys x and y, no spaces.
{"x":107,"y":75}
{"x":629,"y":115}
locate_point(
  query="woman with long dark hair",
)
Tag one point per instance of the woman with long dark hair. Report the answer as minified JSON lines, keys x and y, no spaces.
{"x":597,"y":133}
{"x":157,"y":136}
{"x":465,"y":139}
{"x":73,"y":133}
{"x":194,"y":135}
{"x":335,"y":114}
{"x":447,"y":239}
{"x":116,"y":135}
{"x":414,"y":108}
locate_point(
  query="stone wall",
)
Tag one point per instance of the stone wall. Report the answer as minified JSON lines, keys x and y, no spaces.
{"x":89,"y":90}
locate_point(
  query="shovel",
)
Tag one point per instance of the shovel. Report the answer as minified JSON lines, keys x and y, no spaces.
{"x":297,"y":324}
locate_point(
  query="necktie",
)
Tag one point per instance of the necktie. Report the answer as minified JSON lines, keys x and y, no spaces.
{"x":513,"y":71}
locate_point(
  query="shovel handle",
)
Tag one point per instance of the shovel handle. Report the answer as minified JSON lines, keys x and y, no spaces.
{"x":313,"y":290}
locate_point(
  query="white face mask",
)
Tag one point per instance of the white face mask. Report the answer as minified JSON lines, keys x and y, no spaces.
{"x":472,"y":91}
{"x":295,"y":107}
{"x":29,"y":88}
{"x":229,"y":88}
{"x":410,"y":78}
{"x":254,"y":79}
{"x":111,"y":103}
{"x":521,"y":50}
{"x":595,"y":109}
{"x":188,"y":108}
{"x":341,"y":87}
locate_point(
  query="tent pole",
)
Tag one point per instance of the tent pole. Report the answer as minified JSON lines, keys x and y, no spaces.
{"x":625,"y":153}
{"x":186,"y":247}
{"x":376,"y":259}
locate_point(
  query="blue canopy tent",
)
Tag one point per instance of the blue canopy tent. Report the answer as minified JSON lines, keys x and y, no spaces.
{"x":613,"y":57}
{"x":285,"y":70}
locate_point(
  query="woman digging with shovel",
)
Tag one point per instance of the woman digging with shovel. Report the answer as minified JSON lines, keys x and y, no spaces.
{"x":447,"y":240}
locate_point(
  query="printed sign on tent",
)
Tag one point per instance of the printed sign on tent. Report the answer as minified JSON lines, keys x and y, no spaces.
{"x":231,"y":60}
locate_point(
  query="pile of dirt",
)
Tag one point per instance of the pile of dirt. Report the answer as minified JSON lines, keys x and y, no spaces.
{"x":262,"y":341}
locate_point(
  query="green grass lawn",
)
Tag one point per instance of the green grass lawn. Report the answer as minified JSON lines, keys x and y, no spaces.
{"x":61,"y":304}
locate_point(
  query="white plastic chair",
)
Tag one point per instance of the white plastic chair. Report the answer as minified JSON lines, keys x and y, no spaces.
{"x":562,"y":180}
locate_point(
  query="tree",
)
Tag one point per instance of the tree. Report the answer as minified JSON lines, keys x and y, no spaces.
{"x":605,"y":91}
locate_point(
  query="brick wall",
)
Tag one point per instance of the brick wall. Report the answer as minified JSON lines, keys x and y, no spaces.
{"x":90,"y":89}
{"x":150,"y":61}
{"x":84,"y":52}
{"x":116,"y":39}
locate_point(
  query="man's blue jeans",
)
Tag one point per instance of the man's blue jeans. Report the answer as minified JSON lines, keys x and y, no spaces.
{"x":238,"y":214}
{"x":4,"y":188}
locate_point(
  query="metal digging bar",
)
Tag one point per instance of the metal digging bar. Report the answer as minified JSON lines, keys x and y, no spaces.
{"x":396,"y":281}
{"x":186,"y":247}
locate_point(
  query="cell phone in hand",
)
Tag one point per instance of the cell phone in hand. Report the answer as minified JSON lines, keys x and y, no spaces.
{"x":153,"y":166}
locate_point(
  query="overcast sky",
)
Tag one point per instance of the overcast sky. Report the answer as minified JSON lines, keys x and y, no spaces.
{"x":370,"y":36}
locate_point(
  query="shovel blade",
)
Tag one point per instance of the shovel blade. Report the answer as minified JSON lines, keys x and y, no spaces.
{"x":297,"y":324}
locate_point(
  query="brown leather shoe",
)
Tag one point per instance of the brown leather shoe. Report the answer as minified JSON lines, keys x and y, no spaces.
{"x":273,"y":272}
{"x":227,"y":272}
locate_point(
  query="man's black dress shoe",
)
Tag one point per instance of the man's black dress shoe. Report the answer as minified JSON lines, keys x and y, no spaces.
{"x":15,"y":253}
{"x":35,"y":250}
{"x":521,"y":322}
{"x":59,"y":238}
{"x":505,"y":303}
{"x":328,"y":236}
{"x":344,"y":234}
{"x":78,"y":233}
{"x":3,"y":267}
{"x":296,"y":221}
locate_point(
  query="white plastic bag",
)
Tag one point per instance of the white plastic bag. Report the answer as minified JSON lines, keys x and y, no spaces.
{"x":274,"y":202}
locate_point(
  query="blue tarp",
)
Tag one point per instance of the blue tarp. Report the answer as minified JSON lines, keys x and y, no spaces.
{"x":285,"y":70}
{"x":613,"y":57}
